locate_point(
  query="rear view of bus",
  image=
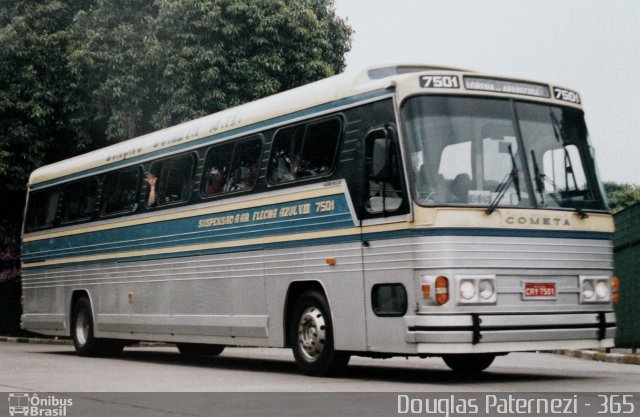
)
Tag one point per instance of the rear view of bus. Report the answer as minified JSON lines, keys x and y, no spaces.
{"x":512,"y":243}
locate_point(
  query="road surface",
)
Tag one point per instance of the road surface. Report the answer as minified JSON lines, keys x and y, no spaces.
{"x":52,"y":368}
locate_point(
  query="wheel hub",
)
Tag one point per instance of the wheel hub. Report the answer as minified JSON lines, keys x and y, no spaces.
{"x":312,"y":333}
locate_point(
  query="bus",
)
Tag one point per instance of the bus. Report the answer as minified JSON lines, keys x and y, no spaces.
{"x":404,"y":210}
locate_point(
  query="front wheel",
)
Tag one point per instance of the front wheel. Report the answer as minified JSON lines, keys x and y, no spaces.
{"x":311,"y":335}
{"x":471,"y":363}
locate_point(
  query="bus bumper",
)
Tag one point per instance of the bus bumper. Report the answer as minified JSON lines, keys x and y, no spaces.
{"x":484,"y":333}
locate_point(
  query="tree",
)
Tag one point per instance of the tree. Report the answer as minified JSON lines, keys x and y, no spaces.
{"x":621,"y":196}
{"x":144,"y":66}
{"x":34,"y":91}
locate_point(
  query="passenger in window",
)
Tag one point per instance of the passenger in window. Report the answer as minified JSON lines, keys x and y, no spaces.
{"x":215,"y":183}
{"x":284,"y":168}
{"x":152,"y":180}
{"x":244,"y":177}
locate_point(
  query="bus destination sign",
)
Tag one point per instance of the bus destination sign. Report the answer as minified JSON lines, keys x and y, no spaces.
{"x":506,"y":86}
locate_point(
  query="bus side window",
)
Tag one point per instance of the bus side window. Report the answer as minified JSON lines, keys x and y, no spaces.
{"x":79,"y":200}
{"x":120,"y":192}
{"x":42,"y":209}
{"x":304,"y":151}
{"x":285,"y":152}
{"x":173,"y":180}
{"x":384,"y":189}
{"x":216,"y":169}
{"x":244,"y":168}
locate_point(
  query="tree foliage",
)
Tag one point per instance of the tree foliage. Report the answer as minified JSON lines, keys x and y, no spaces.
{"x":621,"y":196}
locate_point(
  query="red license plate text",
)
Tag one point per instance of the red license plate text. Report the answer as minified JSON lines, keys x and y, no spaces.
{"x":539,"y":290}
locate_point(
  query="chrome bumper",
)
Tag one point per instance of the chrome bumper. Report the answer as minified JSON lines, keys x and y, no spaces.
{"x":509,"y":332}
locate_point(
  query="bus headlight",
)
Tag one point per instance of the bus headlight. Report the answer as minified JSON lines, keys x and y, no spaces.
{"x":487,"y":290}
{"x":602,"y":290}
{"x":467,"y":290}
{"x":595,"y":290}
{"x":476,"y":289}
{"x":587,"y":290}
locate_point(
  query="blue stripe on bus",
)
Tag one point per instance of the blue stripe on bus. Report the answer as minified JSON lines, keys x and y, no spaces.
{"x":263,"y":221}
{"x":208,"y":140}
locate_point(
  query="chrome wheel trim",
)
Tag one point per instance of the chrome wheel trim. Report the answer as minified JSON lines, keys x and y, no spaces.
{"x":312,"y":334}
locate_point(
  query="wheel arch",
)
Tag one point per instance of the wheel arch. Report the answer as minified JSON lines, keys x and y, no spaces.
{"x":75,"y":296}
{"x":295,"y":290}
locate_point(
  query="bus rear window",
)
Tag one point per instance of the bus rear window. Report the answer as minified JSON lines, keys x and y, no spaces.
{"x":42,"y":209}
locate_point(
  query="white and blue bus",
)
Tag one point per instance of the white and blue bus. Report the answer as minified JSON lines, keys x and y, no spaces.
{"x":402,"y":210}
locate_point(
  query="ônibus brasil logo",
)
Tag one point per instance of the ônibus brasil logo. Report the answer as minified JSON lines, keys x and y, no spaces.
{"x":32,"y":405}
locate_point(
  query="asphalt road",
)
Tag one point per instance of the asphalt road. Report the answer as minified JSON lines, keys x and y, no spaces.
{"x":51,"y":368}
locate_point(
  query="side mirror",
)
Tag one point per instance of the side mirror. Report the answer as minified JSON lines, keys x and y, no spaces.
{"x":381,"y":161}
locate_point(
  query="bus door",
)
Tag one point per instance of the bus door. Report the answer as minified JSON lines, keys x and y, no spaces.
{"x":386,"y":249}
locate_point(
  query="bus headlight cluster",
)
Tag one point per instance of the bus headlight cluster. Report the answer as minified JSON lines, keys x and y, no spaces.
{"x":595,"y":290}
{"x":476,"y":289}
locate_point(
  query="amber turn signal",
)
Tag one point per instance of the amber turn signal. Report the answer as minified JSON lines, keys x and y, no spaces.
{"x":426,"y":291}
{"x":442,"y":290}
{"x":615,"y":286}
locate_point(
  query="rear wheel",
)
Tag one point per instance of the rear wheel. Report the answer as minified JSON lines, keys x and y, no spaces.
{"x":82,"y":331}
{"x":471,"y":363}
{"x":199,"y":350}
{"x":311,"y":333}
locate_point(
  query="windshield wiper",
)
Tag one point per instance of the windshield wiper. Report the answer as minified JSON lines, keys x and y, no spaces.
{"x":511,"y":178}
{"x":539,"y":177}
{"x":568,"y":166}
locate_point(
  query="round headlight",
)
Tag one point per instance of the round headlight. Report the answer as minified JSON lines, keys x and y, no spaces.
{"x":486,"y":289}
{"x":602,"y":289}
{"x":467,"y":290}
{"x":588,"y":290}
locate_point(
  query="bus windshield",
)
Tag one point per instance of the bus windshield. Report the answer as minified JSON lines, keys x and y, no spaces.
{"x":467,"y":151}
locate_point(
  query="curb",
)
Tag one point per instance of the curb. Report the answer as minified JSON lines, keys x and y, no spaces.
{"x":628,"y":359}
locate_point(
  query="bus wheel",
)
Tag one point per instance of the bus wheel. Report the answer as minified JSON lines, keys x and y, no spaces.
{"x":471,"y":363}
{"x":311,"y":335}
{"x":199,"y":350}
{"x":82,"y":330}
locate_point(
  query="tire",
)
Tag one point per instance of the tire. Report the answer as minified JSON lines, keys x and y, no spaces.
{"x":311,"y":337}
{"x":469,"y":364}
{"x":198,"y":350}
{"x":82,"y":332}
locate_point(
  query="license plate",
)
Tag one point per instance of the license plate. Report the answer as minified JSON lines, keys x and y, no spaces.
{"x":539,"y":291}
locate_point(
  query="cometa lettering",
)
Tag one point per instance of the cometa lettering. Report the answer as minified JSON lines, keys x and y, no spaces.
{"x":538,"y":221}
